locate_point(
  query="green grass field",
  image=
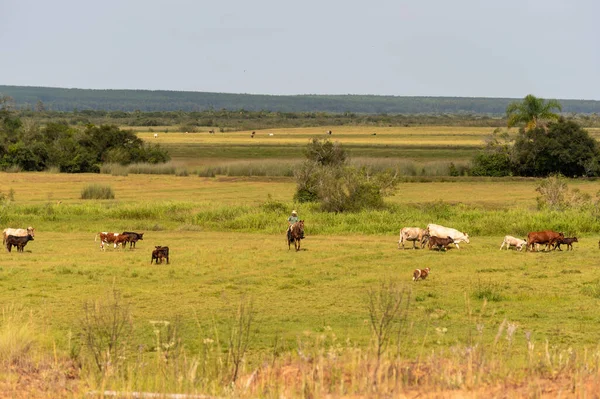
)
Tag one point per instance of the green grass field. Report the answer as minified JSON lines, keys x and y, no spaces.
{"x":227,"y":243}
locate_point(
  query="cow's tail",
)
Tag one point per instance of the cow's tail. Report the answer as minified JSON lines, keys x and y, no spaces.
{"x":96,"y":238}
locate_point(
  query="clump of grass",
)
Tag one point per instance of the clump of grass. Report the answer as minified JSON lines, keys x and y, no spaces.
{"x":16,"y":336}
{"x":488,"y":291}
{"x":152,"y":169}
{"x":591,"y":289}
{"x":97,"y":191}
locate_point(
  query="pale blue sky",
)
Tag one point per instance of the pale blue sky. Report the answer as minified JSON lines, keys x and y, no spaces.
{"x":473,"y":48}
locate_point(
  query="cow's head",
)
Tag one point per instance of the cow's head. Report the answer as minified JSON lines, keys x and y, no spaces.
{"x":466,"y":238}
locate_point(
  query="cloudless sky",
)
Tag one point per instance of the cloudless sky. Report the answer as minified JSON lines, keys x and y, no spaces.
{"x":472,"y":48}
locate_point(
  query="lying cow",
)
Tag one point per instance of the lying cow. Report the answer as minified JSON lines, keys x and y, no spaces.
{"x":414,"y":234}
{"x":420,"y":274}
{"x":441,"y":231}
{"x":17,"y":233}
{"x":133,"y":237}
{"x":18,"y":242}
{"x":440,"y":242}
{"x":159,"y":254}
{"x":516,"y":242}
{"x":547,"y":237}
{"x":565,"y":240}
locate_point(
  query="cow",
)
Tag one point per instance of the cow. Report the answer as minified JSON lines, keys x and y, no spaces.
{"x":156,"y":135}
{"x":566,"y":240}
{"x":108,"y":238}
{"x":420,"y":274}
{"x":133,"y":237}
{"x":159,"y":254}
{"x":413,"y":234}
{"x":516,"y":242}
{"x":547,"y":237}
{"x":435,"y":230}
{"x":440,"y":242}
{"x":17,"y":233}
{"x":18,"y":241}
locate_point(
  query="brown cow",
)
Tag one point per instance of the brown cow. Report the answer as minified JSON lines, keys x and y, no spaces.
{"x":547,"y":237}
{"x":440,"y":242}
{"x":106,"y":238}
{"x":159,"y":254}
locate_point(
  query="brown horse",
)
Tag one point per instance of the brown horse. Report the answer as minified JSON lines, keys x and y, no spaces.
{"x":296,"y":234}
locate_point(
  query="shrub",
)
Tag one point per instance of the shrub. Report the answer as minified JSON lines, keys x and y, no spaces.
{"x":555,"y":195}
{"x":97,"y":191}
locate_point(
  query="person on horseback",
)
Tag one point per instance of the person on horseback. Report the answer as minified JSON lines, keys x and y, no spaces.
{"x":291,"y":220}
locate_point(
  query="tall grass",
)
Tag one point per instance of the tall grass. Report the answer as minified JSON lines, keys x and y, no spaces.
{"x":97,"y":191}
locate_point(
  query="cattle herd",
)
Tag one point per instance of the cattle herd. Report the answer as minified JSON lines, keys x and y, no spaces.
{"x":20,"y":237}
{"x":440,"y":238}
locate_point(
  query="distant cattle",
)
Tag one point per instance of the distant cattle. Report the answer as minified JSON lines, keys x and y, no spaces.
{"x":133,"y":237}
{"x":270,"y":134}
{"x":252,"y":134}
{"x":420,"y":274}
{"x":108,"y":238}
{"x":440,"y":242}
{"x":329,"y":132}
{"x":18,"y":242}
{"x":547,"y":237}
{"x":155,"y":135}
{"x":211,"y":132}
{"x":565,"y":240}
{"x":516,"y":242}
{"x":435,"y":230}
{"x":17,"y":233}
{"x":159,"y":254}
{"x":414,"y":234}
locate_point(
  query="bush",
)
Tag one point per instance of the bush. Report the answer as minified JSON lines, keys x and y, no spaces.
{"x":97,"y":191}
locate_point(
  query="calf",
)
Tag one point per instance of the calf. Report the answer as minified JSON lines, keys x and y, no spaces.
{"x":440,"y":242}
{"x":133,"y":237}
{"x":516,"y":242}
{"x":159,"y":254}
{"x":565,"y":240}
{"x":420,"y":274}
{"x":18,"y":242}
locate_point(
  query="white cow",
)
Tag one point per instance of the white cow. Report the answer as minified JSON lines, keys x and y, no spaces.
{"x":435,"y":230}
{"x":413,"y":234}
{"x":17,"y":233}
{"x":156,"y":135}
{"x":510,"y":240}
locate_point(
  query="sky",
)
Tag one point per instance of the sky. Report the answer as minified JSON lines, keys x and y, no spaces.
{"x":459,"y":48}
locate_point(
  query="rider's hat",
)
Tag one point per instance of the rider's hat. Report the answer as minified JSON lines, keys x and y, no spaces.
{"x":294,"y":213}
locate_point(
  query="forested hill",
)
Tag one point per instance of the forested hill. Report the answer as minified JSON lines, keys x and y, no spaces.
{"x":59,"y":99}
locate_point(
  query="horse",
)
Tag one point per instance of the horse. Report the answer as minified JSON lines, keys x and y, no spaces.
{"x":296,"y":234}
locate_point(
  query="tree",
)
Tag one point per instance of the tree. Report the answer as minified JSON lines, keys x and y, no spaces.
{"x":532,"y":111}
{"x":561,"y":147}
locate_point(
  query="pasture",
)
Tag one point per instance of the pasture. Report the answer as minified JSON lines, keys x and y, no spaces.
{"x":226,"y":237}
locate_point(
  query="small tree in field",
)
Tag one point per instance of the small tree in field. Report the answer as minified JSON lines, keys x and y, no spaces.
{"x":325,"y":177}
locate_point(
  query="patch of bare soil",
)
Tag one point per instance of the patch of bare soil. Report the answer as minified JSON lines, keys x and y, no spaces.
{"x":30,"y":381}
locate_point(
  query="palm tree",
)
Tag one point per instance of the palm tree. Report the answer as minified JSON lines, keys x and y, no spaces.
{"x":531,"y":111}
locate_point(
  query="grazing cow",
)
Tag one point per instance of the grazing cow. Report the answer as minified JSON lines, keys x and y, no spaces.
{"x":565,"y":240}
{"x":108,"y":238}
{"x":413,"y":234}
{"x":547,"y":237}
{"x":441,"y":231}
{"x":211,"y":132}
{"x":420,"y":274}
{"x":329,"y":132}
{"x":159,"y":254}
{"x":156,"y":135}
{"x":516,"y":242}
{"x":252,"y":135}
{"x":270,"y":134}
{"x":440,"y":242}
{"x":133,"y":237}
{"x":18,"y":241}
{"x":17,"y":233}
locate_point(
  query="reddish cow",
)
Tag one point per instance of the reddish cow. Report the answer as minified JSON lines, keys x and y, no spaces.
{"x":420,"y":274}
{"x":547,"y":237}
{"x":106,"y":238}
{"x":440,"y":242}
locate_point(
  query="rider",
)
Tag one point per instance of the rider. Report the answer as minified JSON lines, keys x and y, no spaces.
{"x":291,"y":220}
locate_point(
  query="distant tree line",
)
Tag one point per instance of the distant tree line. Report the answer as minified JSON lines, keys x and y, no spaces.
{"x":29,"y":146}
{"x":67,"y":100}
